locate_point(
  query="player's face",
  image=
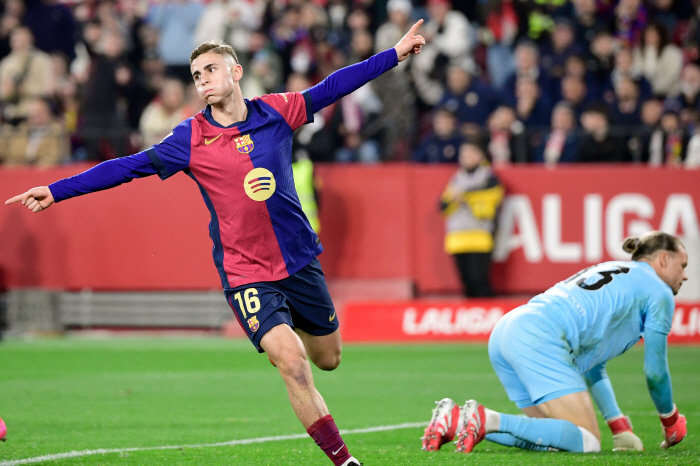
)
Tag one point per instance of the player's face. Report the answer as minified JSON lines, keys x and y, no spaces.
{"x":675,"y":270}
{"x":215,"y":76}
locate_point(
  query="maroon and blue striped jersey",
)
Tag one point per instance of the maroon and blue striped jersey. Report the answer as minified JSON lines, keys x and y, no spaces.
{"x":244,"y":173}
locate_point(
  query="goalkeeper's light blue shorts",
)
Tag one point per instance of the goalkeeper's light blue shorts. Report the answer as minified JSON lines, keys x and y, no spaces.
{"x":532,"y":358}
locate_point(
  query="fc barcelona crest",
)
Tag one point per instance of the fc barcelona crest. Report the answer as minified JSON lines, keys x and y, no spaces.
{"x":244,"y":144}
{"x":253,"y":324}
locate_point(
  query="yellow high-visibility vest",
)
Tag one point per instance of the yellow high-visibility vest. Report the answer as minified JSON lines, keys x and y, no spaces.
{"x":304,"y":182}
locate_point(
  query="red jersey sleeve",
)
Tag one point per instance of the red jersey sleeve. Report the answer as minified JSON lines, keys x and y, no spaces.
{"x":293,"y":107}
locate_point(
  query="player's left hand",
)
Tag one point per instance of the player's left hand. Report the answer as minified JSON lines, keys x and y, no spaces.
{"x":623,"y":437}
{"x":410,"y":43}
{"x":674,"y":427}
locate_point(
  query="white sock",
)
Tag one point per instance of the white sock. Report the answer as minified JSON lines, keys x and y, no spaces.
{"x":493,"y":421}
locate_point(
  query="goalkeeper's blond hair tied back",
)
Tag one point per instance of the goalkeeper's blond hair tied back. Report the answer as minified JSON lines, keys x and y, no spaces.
{"x":651,"y":243}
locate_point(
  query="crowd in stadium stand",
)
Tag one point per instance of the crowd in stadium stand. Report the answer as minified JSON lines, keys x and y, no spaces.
{"x":543,"y":81}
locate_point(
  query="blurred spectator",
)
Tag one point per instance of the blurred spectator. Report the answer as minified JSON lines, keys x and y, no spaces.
{"x":469,"y":204}
{"x":41,"y":140}
{"x":659,"y":60}
{"x":689,"y":87}
{"x":527,"y":66}
{"x":562,"y":143}
{"x":602,"y":55}
{"x":500,"y":34}
{"x":53,"y":26}
{"x":563,"y":45}
{"x":12,"y":13}
{"x":651,"y":112}
{"x":630,"y":20}
{"x":587,"y":20}
{"x":470,"y":99}
{"x":442,"y":144}
{"x":177,"y":21}
{"x":65,"y":92}
{"x":133,"y":20}
{"x":103,"y":124}
{"x":306,"y":183}
{"x":232,"y":21}
{"x":625,"y":110}
{"x":669,"y":12}
{"x":692,"y":159}
{"x":598,"y":143}
{"x":669,"y":141}
{"x":25,"y":74}
{"x":576,"y":66}
{"x":506,"y":144}
{"x":574,"y":93}
{"x":264,"y":67}
{"x":531,"y":106}
{"x":164,"y":113}
{"x":449,"y":39}
{"x":394,"y":88}
{"x":624,"y":66}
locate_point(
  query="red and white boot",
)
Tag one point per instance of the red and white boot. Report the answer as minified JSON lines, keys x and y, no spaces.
{"x":474,"y":430}
{"x":443,"y":425}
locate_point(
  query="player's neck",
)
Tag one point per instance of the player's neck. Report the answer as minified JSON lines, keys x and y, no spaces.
{"x":230,"y":110}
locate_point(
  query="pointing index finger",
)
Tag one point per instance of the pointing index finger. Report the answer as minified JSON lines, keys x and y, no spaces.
{"x":14,"y":199}
{"x":415,"y":26}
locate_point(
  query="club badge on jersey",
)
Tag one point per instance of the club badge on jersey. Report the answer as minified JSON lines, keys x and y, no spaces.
{"x":244,"y":144}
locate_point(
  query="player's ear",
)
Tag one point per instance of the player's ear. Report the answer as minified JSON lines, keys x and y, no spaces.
{"x":237,"y":72}
{"x":663,"y":259}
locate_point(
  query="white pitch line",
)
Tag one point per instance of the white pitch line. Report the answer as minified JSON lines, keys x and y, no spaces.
{"x":277,"y":438}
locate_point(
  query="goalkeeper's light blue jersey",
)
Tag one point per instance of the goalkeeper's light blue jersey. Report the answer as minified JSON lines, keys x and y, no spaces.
{"x":605,"y":309}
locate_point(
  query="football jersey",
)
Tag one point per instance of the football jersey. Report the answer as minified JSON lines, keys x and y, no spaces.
{"x":244,"y":173}
{"x":605,"y":309}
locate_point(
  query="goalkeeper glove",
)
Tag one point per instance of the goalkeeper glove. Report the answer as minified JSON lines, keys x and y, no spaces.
{"x":674,"y":428}
{"x":623,"y":437}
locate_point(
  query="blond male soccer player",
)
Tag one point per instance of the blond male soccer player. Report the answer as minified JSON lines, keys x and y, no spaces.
{"x":238,"y":151}
{"x":551,"y":352}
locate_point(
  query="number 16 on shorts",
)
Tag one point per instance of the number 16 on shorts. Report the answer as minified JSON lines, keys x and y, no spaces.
{"x":249,"y":304}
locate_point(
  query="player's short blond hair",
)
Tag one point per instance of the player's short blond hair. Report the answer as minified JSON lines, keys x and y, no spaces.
{"x":216,"y":46}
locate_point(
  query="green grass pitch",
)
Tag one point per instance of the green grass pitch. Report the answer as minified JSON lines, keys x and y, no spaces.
{"x":73,"y":394}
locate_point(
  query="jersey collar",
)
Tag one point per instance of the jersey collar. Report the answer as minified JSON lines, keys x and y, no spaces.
{"x":213,"y":122}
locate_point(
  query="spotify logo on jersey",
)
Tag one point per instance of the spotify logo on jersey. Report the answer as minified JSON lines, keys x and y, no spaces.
{"x":259,"y":184}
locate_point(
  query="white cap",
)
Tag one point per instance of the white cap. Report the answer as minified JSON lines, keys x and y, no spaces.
{"x":400,"y":5}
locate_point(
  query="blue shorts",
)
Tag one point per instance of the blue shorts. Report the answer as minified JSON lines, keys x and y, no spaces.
{"x":301,"y":301}
{"x":532,"y":358}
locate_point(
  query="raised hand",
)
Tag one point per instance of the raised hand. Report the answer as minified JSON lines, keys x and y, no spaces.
{"x":36,"y":199}
{"x":410,"y":43}
{"x":675,"y":428}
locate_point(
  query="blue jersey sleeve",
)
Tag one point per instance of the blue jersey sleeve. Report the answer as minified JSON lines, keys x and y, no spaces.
{"x":348,"y":79}
{"x":602,"y":392}
{"x":103,"y":176}
{"x":172,"y":154}
{"x":659,"y":312}
{"x":656,"y":370}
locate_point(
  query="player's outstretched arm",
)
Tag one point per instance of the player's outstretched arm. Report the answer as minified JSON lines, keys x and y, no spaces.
{"x":411,"y":43}
{"x":659,"y":384}
{"x":346,"y":80}
{"x":36,"y":199}
{"x":602,"y":392}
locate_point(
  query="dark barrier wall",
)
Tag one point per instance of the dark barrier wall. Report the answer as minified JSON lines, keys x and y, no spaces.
{"x":377,"y":222}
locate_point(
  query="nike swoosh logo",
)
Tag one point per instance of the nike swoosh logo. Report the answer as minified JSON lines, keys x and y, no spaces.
{"x":209,"y":141}
{"x":341,"y":447}
{"x":330,"y":319}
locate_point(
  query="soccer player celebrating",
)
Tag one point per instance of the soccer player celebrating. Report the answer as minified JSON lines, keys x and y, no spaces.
{"x":238,"y":151}
{"x":551,"y":352}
